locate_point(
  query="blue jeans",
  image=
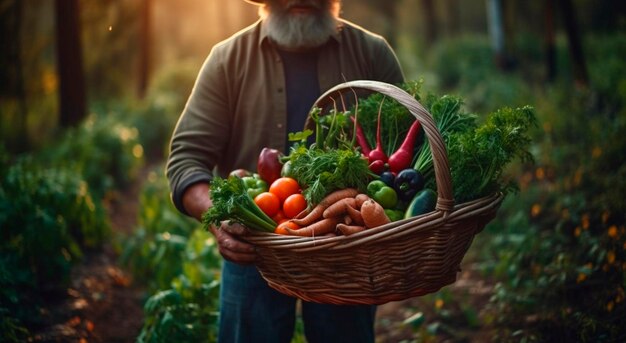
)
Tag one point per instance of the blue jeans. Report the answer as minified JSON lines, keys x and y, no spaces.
{"x":251,"y":311}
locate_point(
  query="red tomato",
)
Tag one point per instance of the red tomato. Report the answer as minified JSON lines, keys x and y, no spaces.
{"x":279,"y":217}
{"x":281,"y":228}
{"x":284,"y":187}
{"x":268,"y":203}
{"x":294,"y":204}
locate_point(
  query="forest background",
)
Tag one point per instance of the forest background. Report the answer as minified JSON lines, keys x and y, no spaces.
{"x":90,"y":92}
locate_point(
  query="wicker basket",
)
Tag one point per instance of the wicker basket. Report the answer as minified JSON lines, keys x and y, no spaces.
{"x":396,"y":261}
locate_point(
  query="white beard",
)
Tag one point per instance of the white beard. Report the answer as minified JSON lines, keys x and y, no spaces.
{"x":300,"y":31}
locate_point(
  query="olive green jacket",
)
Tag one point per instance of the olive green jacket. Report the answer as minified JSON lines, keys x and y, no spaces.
{"x":238,"y":103}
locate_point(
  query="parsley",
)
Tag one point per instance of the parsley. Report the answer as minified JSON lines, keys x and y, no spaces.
{"x":321,"y":171}
{"x":478,"y":157}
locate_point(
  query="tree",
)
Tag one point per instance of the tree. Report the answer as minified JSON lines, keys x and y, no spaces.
{"x":72,"y":93}
{"x":430,"y":21}
{"x":581,"y":76}
{"x":145,"y":47}
{"x":11,"y":78}
{"x":549,"y":40}
{"x":500,"y":17}
{"x":387,"y":8}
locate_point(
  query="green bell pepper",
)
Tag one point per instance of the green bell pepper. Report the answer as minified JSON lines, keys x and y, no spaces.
{"x":394,"y":215}
{"x":382,"y":194}
{"x":254,"y":185}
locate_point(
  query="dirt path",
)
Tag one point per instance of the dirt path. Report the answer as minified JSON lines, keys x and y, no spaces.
{"x":454,"y":314}
{"x":101,"y":304}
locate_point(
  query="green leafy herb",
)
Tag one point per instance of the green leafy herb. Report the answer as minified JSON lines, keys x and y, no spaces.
{"x":320,"y":171}
{"x":479,"y":157}
{"x":446,"y":112}
{"x":231,"y":201}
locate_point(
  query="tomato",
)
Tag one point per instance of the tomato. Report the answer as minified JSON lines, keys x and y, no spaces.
{"x":294,"y":204}
{"x":279,"y":217}
{"x":281,"y":228}
{"x":284,"y":187}
{"x":268,"y":202}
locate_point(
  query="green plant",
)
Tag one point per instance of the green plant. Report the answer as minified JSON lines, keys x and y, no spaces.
{"x":153,"y":251}
{"x":188,"y":311}
{"x":48,"y":217}
{"x":106,"y":153}
{"x":559,"y":247}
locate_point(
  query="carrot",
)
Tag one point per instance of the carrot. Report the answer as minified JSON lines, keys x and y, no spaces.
{"x":347,"y":230}
{"x":338,"y":208}
{"x":338,"y":195}
{"x":373,"y":214}
{"x":317,"y":211}
{"x":311,"y":217}
{"x":360,"y":199}
{"x":355,"y":215}
{"x":318,"y":228}
{"x":302,"y":214}
{"x":347,"y":219}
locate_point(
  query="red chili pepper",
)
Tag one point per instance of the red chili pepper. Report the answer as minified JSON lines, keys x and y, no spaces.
{"x":402,"y":158}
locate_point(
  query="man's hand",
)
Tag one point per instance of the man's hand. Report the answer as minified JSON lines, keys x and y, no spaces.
{"x":196,"y":201}
{"x":230,"y":246}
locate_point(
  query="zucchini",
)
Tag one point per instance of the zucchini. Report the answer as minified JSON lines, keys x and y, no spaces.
{"x":423,"y":202}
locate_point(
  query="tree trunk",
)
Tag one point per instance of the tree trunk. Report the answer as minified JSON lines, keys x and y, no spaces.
{"x":12,"y":80}
{"x":72,"y":94}
{"x":454,"y":17}
{"x":145,"y":47}
{"x":430,"y":20}
{"x":549,"y":41}
{"x":575,"y":44}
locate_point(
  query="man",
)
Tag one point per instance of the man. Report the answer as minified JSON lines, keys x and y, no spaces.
{"x":252,"y":90}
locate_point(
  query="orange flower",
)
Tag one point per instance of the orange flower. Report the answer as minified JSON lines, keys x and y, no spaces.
{"x":610,"y":257}
{"x":585,"y":221}
{"x":535,"y":210}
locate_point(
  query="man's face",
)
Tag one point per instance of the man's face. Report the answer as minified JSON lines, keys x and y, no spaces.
{"x":301,"y":24}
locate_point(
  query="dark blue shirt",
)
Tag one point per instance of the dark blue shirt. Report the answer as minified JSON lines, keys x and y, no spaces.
{"x":302,"y":87}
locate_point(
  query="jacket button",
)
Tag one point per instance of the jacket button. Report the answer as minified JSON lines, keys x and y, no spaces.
{"x":279,"y":125}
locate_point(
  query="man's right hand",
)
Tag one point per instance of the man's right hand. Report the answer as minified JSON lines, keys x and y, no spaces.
{"x":231,"y":247}
{"x":196,"y":201}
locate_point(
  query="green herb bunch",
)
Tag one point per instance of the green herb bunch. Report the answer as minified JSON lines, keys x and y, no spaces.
{"x":479,"y":157}
{"x":231,"y":201}
{"x":321,"y":171}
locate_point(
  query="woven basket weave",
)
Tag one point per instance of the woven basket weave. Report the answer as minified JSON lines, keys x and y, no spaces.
{"x":396,"y":261}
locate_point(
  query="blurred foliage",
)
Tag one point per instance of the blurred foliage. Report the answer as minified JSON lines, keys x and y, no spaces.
{"x":48,"y":217}
{"x":102,"y":149}
{"x":179,"y":263}
{"x":557,"y":250}
{"x":154,"y":252}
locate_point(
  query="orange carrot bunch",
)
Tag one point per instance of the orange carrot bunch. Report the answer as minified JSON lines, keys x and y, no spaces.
{"x":342,"y":212}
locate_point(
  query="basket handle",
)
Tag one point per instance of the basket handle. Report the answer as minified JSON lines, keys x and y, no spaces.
{"x":445,"y":202}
